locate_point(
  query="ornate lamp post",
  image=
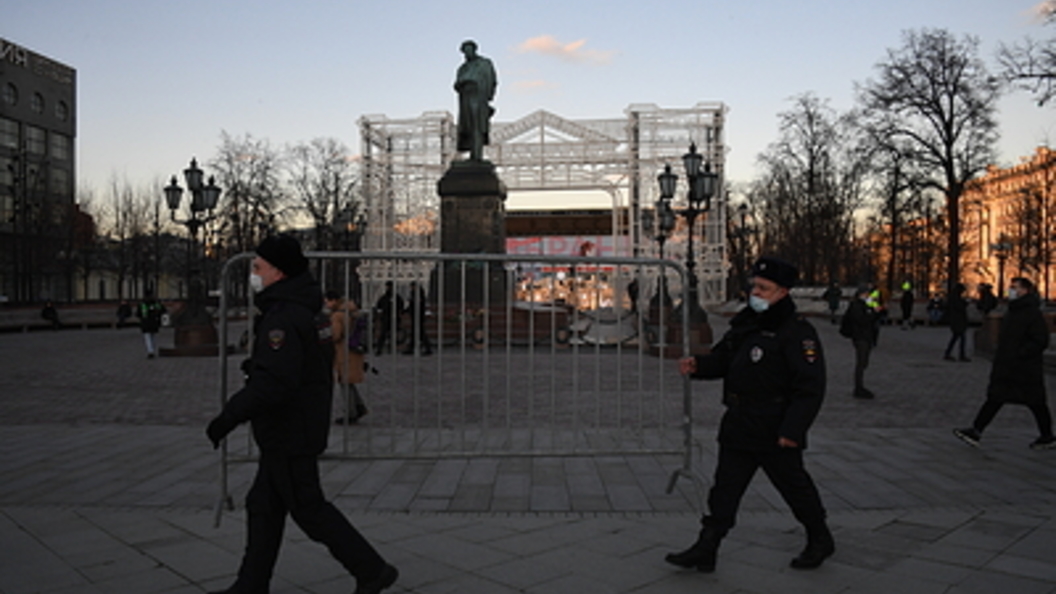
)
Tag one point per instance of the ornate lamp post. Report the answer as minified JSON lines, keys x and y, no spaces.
{"x":660,"y":220}
{"x":702,"y":184}
{"x":194,"y":326}
{"x":1001,"y":249}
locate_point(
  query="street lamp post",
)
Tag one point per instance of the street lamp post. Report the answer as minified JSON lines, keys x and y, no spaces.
{"x":194,"y":325}
{"x":1002,"y":249}
{"x":702,"y":182}
{"x":664,"y":225}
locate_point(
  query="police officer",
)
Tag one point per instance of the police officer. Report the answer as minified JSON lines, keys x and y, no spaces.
{"x":287,"y":401}
{"x":774,"y":381}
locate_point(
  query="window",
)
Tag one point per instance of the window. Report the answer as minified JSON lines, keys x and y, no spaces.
{"x":58,"y":211}
{"x":8,"y":133}
{"x":35,"y":140}
{"x":10,"y":94}
{"x":60,"y":147}
{"x":7,"y":208}
{"x":37,"y":103}
{"x":60,"y":181}
{"x":62,"y":111}
{"x":7,"y":175}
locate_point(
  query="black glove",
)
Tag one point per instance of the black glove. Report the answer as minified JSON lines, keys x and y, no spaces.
{"x":218,"y":429}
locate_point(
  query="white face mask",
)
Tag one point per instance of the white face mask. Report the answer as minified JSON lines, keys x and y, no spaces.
{"x":256,"y":283}
{"x":758,"y":303}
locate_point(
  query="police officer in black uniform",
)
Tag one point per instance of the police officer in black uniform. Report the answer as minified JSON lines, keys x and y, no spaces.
{"x":774,"y":381}
{"x":287,"y":401}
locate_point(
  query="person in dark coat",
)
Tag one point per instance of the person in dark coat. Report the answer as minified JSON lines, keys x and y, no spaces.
{"x":388,"y":309}
{"x":124,"y":311}
{"x":773,"y":373}
{"x":416,"y":310}
{"x":833,"y":295}
{"x":957,"y":316}
{"x":859,"y":324}
{"x":287,"y":399}
{"x":1017,"y":375}
{"x":51,"y":314}
{"x":987,"y":300}
{"x":906,"y":305}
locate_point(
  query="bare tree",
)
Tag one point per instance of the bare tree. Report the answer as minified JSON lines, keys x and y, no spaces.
{"x":253,"y":204}
{"x":323,"y":181}
{"x":937,"y":97}
{"x":1030,"y":65}
{"x":84,"y":236}
{"x":896,"y":184}
{"x":810,"y":188}
{"x":124,"y":221}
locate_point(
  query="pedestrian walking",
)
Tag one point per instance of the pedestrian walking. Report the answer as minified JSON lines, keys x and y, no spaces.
{"x":906,"y":304}
{"x":773,"y":373}
{"x":416,"y":310}
{"x":387,"y":311}
{"x":347,"y":327}
{"x":1017,"y":375}
{"x":957,"y":317}
{"x":833,"y":295}
{"x":149,"y":313}
{"x":287,"y":400}
{"x":859,"y":325}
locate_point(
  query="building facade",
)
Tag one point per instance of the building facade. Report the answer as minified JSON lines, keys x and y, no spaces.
{"x":40,"y":226}
{"x":1009,"y":227}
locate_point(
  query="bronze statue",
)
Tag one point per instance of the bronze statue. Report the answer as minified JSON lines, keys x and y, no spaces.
{"x":475,"y":84}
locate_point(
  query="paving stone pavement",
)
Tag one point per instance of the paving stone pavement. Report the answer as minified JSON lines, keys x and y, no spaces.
{"x":107,"y":485}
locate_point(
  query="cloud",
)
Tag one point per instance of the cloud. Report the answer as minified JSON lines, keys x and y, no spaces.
{"x":1045,"y":10}
{"x":570,"y":52}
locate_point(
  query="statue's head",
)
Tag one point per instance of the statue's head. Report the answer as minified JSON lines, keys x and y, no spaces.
{"x":469,"y":48}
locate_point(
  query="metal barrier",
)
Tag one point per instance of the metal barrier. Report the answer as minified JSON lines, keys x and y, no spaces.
{"x":528,"y":355}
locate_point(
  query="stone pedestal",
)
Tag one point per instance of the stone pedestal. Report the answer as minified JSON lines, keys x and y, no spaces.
{"x":473,"y":221}
{"x":196,"y":336}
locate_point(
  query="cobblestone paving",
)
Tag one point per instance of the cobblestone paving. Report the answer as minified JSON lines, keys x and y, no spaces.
{"x":108,"y":485}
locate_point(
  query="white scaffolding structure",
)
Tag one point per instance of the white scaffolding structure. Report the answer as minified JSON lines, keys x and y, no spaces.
{"x":404,"y":159}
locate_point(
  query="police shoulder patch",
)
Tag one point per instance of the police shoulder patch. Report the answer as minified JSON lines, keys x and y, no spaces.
{"x":756,"y":354}
{"x":810,"y":350}
{"x":276,"y":338}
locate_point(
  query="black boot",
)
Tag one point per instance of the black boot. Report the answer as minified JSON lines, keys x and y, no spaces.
{"x":820,"y":546}
{"x":702,"y":554}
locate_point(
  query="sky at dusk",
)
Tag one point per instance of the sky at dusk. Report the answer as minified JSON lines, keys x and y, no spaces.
{"x":159,"y":81}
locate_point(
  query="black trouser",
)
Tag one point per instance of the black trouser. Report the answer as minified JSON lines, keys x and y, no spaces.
{"x":418,"y":335}
{"x":783,"y":466}
{"x":989,"y":410}
{"x":290,"y":485}
{"x":386,"y":334}
{"x":862,"y":349}
{"x":957,"y":335}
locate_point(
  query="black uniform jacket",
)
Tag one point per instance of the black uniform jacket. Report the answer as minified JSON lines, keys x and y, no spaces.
{"x":1018,"y":373}
{"x":957,"y":313}
{"x":859,"y":321}
{"x":287,"y":396}
{"x":774,"y":377}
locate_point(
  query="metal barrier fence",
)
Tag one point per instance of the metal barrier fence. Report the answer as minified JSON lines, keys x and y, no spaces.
{"x":514,"y":355}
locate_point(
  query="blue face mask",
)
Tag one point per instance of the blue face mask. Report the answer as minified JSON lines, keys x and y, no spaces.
{"x":758,"y":303}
